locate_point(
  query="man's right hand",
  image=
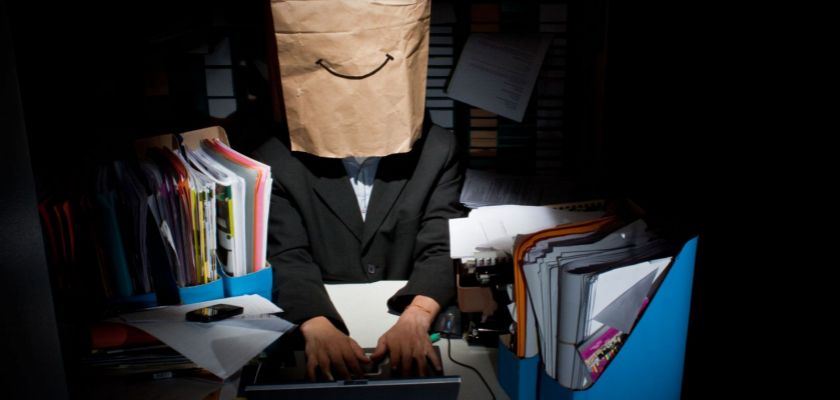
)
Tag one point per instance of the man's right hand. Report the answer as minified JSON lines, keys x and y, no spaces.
{"x":327,"y":346}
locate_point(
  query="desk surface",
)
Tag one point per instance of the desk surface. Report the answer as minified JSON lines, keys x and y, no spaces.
{"x":364,"y":309}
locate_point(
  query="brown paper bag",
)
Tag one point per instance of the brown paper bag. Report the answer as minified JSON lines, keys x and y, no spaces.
{"x":353,"y":74}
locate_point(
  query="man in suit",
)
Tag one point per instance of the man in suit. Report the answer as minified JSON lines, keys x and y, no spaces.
{"x":325,"y":224}
{"x":363,"y":187}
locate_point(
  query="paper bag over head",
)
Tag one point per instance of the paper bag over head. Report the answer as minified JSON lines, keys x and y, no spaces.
{"x":353,"y":74}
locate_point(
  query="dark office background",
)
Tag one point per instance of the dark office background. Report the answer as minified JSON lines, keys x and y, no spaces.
{"x":672,"y":119}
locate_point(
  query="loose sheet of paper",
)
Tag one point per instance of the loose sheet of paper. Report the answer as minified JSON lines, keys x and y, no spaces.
{"x":497,"y":72}
{"x":497,"y":226}
{"x":221,"y":347}
{"x":366,"y":316}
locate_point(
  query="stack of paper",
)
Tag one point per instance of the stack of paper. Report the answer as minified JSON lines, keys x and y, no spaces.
{"x":221,"y":347}
{"x":230,"y":211}
{"x":587,"y":289}
{"x":497,"y":226}
{"x":172,"y":219}
{"x":257,"y":177}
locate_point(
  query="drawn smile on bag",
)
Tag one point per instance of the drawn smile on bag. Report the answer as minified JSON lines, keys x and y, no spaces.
{"x":325,"y":65}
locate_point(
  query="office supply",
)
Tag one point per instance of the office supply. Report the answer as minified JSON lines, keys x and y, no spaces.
{"x":202,"y":292}
{"x":582,"y":277}
{"x":585,"y":295}
{"x":174,"y":209}
{"x":597,"y":351}
{"x":448,"y":323}
{"x":496,"y":226}
{"x":221,"y":347}
{"x":257,"y":197}
{"x":517,"y":375}
{"x":650,"y":361}
{"x":132,"y":196}
{"x":525,"y":327}
{"x":487,"y":267}
{"x":194,"y":213}
{"x":114,"y":243}
{"x":259,"y":283}
{"x":154,"y":362}
{"x":497,"y":72}
{"x":285,"y":377}
{"x":230,"y":211}
{"x":202,"y":218}
{"x":202,"y":211}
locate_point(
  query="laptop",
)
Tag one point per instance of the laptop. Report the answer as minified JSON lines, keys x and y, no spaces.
{"x":285,"y":378}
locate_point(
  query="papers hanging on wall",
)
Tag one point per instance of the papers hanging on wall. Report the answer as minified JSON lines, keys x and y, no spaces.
{"x":497,"y":72}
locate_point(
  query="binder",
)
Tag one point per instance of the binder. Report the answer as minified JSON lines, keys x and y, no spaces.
{"x":526,"y":337}
{"x":650,"y":362}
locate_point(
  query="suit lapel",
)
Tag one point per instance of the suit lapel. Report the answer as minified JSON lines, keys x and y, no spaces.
{"x":334,"y":189}
{"x":391,"y":176}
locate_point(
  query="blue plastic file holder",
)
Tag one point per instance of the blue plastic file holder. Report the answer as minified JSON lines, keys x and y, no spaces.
{"x":260,"y":282}
{"x":135,"y":302}
{"x":648,"y":366}
{"x":650,"y":363}
{"x":518,"y":376}
{"x":198,"y":293}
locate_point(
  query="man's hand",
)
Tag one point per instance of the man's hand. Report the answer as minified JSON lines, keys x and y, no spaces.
{"x":327,"y":346}
{"x":408,"y":340}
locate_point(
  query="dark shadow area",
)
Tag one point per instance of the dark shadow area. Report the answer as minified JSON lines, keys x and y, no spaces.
{"x":652,"y":115}
{"x":677,"y":142}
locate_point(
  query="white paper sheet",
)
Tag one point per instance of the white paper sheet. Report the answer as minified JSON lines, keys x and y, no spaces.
{"x":221,"y":347}
{"x":497,"y":226}
{"x":366,"y":316}
{"x":497,"y":72}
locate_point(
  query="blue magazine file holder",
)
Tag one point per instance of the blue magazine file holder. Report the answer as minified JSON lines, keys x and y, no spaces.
{"x":518,"y":376}
{"x":260,"y":282}
{"x":648,"y":366}
{"x":650,"y":363}
{"x":198,"y":293}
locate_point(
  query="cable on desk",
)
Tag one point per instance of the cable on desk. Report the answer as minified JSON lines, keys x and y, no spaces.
{"x":449,"y":353}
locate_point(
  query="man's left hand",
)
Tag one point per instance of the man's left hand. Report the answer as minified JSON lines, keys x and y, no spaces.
{"x":408,"y":341}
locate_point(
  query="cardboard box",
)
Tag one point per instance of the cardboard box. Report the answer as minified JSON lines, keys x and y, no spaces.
{"x":191,"y":140}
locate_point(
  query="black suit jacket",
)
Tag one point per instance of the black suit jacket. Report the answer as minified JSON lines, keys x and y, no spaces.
{"x":316,"y":233}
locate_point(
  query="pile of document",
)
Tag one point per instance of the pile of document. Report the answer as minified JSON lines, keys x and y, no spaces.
{"x":586,"y":286}
{"x":484,"y":188}
{"x":160,"y":343}
{"x":581,"y":280}
{"x":173,"y":219}
{"x":220,"y":347}
{"x":155,"y":362}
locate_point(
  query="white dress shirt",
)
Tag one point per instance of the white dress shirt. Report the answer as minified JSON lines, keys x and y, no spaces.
{"x":361,"y":171}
